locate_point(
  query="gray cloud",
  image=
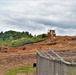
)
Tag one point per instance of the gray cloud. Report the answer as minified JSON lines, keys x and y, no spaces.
{"x":38,"y":16}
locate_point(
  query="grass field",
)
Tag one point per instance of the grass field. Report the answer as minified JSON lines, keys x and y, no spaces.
{"x":20,"y":42}
{"x":21,"y":70}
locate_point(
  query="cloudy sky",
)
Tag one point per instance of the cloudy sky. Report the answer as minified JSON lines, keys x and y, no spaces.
{"x":38,"y":16}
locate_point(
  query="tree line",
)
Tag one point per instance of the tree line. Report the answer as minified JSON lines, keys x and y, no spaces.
{"x":13,"y":35}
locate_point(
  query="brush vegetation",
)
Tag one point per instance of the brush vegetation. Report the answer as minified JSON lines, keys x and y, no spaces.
{"x":14,"y":38}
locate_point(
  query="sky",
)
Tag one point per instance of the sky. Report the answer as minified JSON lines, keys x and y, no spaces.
{"x":38,"y":16}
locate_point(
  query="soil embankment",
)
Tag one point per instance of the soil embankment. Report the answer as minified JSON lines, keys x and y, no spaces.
{"x":12,"y":61}
{"x":26,"y":55}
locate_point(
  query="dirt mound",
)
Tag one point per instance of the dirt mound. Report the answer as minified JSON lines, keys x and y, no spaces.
{"x":5,"y":48}
{"x":20,"y":56}
{"x":56,"y":43}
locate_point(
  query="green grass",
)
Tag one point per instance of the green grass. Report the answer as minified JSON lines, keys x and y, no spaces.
{"x":21,"y":42}
{"x":21,"y":70}
{"x":32,"y":40}
{"x":6,"y":42}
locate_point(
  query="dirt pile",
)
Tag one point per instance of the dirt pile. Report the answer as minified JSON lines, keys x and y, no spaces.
{"x":56,"y":43}
{"x":24,"y":55}
{"x":5,"y":48}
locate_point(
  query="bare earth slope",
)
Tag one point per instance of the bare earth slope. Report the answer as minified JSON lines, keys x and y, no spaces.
{"x":26,"y":55}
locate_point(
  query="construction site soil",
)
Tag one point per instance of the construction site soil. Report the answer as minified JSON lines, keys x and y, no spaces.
{"x":13,"y":57}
